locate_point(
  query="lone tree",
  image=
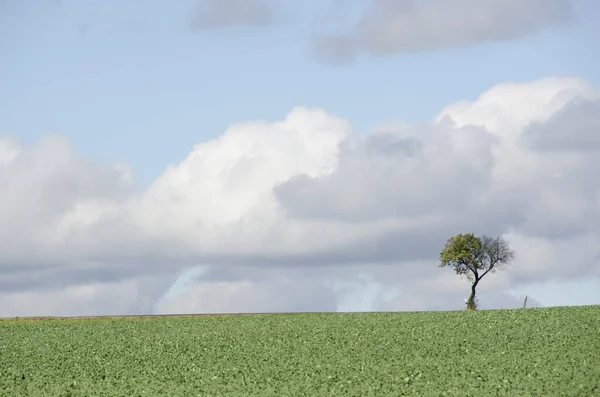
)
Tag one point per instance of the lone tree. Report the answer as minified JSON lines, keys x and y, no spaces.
{"x":474,"y":257}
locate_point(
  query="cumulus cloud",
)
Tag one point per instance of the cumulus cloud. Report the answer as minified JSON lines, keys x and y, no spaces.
{"x":273,"y":294}
{"x":573,"y":128}
{"x":303,"y":214}
{"x":47,"y":192}
{"x":415,"y":286}
{"x":226,"y":13}
{"x":402,"y":26}
{"x":388,"y":175}
{"x":127,"y":296}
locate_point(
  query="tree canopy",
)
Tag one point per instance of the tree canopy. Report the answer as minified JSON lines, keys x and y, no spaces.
{"x":474,"y":257}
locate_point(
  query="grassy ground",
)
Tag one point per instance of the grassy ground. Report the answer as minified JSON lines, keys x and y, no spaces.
{"x":532,"y":352}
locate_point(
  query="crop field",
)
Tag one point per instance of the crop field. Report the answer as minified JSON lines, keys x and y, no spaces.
{"x":531,"y":352}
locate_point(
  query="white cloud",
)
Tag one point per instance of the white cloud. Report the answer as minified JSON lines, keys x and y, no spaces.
{"x":401,"y":26}
{"x":46,"y":190}
{"x":507,"y":108}
{"x":574,"y":128}
{"x":9,"y":149}
{"x":279,"y":209}
{"x":389,"y":175}
{"x":219,"y":200}
{"x":569,"y":258}
{"x":412,"y":286}
{"x":278,"y":295}
{"x":127,"y":296}
{"x":225,"y":13}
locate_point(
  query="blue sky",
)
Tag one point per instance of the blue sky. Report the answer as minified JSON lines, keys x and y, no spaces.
{"x":139,"y":82}
{"x":131,"y":81}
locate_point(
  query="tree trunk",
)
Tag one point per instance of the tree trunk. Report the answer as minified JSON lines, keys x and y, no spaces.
{"x":471,"y":305}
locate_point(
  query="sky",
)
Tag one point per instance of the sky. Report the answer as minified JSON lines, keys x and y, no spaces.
{"x":276,"y":155}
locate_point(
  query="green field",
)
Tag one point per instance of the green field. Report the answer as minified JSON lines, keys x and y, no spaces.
{"x":531,"y":352}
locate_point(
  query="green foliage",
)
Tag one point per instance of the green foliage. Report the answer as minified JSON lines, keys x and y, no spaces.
{"x":461,"y":253}
{"x":533,"y":352}
{"x":474,"y":257}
